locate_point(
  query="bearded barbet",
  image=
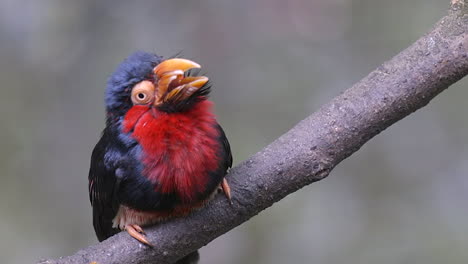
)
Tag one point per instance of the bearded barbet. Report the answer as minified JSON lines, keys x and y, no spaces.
{"x":162,"y":153}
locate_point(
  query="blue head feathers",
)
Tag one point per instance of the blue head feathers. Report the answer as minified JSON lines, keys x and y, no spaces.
{"x":132,"y":70}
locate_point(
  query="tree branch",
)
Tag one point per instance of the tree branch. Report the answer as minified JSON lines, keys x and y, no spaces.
{"x":309,"y":151}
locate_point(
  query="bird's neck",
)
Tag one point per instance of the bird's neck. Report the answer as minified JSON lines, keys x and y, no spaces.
{"x":179,"y":149}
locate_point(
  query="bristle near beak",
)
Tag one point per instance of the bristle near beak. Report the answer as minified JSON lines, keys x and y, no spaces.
{"x":172,"y":86}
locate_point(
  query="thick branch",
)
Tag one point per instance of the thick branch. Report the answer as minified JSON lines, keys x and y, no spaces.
{"x":309,"y":151}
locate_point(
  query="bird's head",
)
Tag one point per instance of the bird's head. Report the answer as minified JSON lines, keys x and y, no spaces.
{"x":147,"y":80}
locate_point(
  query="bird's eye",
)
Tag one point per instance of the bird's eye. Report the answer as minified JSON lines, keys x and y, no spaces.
{"x":143,"y":93}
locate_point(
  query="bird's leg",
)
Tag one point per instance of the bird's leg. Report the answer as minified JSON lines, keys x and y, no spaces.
{"x":226,"y":189}
{"x":137,"y":232}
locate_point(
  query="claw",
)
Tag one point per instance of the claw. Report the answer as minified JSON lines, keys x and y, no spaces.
{"x":139,"y":229}
{"x":137,"y":232}
{"x":226,"y":190}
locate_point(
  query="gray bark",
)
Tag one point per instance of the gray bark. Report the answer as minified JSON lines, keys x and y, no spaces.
{"x":310,"y":150}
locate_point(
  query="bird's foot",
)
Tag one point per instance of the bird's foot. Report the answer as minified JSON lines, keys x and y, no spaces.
{"x":137,"y":232}
{"x":226,"y":189}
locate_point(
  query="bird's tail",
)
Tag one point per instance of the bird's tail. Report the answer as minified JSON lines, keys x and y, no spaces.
{"x":191,"y":258}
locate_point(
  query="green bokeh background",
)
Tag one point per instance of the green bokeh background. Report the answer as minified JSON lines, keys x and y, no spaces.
{"x":401,"y":199}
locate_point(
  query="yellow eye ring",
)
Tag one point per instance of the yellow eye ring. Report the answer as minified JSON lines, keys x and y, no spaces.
{"x":143,"y":93}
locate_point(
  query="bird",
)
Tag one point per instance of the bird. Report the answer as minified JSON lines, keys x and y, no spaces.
{"x":162,"y":153}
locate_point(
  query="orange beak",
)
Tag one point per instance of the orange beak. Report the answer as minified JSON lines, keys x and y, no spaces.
{"x":171,"y":85}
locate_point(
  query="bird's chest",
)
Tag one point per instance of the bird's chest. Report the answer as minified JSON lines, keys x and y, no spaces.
{"x":179,"y":150}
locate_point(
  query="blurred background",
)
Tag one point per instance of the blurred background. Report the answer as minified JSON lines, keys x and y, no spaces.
{"x":401,"y":199}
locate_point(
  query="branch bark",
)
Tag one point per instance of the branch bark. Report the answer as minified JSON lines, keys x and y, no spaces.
{"x":309,"y":151}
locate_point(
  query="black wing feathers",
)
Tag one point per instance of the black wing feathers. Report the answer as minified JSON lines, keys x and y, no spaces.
{"x":226,"y":147}
{"x":103,"y":186}
{"x":115,"y":178}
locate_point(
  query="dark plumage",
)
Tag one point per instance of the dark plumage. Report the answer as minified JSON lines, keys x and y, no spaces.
{"x":134,"y":69}
{"x":157,"y":159}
